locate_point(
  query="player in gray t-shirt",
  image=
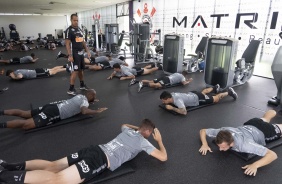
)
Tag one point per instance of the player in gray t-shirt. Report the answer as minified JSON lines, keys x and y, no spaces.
{"x":51,"y":113}
{"x":89,"y":162}
{"x":123,"y":72}
{"x":178,"y":102}
{"x":165,"y":81}
{"x":36,"y":73}
{"x":23,"y":60}
{"x":104,"y":62}
{"x":250,"y":138}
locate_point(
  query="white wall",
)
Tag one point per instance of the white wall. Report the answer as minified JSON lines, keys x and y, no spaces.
{"x":32,"y":25}
{"x":270,"y":40}
{"x":107,"y":16}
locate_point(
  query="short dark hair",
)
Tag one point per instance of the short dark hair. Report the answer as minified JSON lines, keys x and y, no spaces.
{"x":116,"y":65}
{"x":32,"y":54}
{"x":147,"y":124}
{"x":8,"y":72}
{"x":108,"y":55}
{"x":165,"y":95}
{"x":121,"y":58}
{"x":73,"y":15}
{"x":224,"y":136}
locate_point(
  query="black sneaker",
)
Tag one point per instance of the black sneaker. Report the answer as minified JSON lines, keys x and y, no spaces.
{"x":72,"y":92}
{"x":84,"y":87}
{"x":58,"y":55}
{"x":68,"y":68}
{"x":140,"y":86}
{"x":216,"y":88}
{"x":160,"y":66}
{"x":132,"y":82}
{"x":232,"y":93}
{"x":2,"y":163}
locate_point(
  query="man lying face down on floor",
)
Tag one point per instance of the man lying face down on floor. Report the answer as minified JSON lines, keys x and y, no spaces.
{"x":249,"y":138}
{"x":36,"y":73}
{"x":103,"y":62}
{"x":124,"y":72}
{"x":163,"y":82}
{"x":51,"y":113}
{"x":88,"y":162}
{"x":194,"y":98}
{"x":26,"y":59}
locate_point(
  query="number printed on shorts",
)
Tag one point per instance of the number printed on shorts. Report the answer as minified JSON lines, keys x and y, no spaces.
{"x":43,"y":116}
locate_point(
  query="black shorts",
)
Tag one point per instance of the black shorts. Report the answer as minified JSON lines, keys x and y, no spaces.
{"x":104,"y":64}
{"x":42,"y":72}
{"x":46,"y":115}
{"x":271,"y":131}
{"x":139,"y":70}
{"x":164,"y":81}
{"x":78,"y":60}
{"x":204,"y":99}
{"x":15,"y":60}
{"x":89,"y":161}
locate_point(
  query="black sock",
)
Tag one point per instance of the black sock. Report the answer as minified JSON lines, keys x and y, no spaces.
{"x":1,"y":112}
{"x":71,"y":87}
{"x":81,"y":83}
{"x":20,"y":166}
{"x":3,"y":125}
{"x":12,"y":176}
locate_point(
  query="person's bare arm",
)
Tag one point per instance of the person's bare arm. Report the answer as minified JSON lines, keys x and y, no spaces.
{"x":269,"y":157}
{"x":205,"y":147}
{"x":112,"y":75}
{"x":131,"y":126}
{"x":68,"y":47}
{"x":127,"y":77}
{"x":85,"y":110}
{"x":187,"y":81}
{"x":34,"y":60}
{"x":182,"y":111}
{"x":86,"y":49}
{"x":160,"y":153}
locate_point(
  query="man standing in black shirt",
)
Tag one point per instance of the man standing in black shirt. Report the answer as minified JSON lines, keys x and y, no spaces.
{"x":75,"y":44}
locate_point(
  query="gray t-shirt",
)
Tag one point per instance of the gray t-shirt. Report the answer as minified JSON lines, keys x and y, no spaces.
{"x":26,"y":59}
{"x":183,"y":100}
{"x":116,"y":60}
{"x":176,"y":78}
{"x":71,"y":107}
{"x":125,"y":147}
{"x":27,"y":74}
{"x":93,"y":54}
{"x":101,"y":59}
{"x":125,"y":71}
{"x":247,"y":139}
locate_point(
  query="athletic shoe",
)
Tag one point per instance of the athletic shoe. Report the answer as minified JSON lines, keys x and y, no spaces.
{"x":72,"y":92}
{"x":216,"y":88}
{"x":232,"y":93}
{"x":84,"y":87}
{"x":68,"y":68}
{"x":160,"y":66}
{"x":58,"y":55}
{"x":2,"y":162}
{"x":132,"y":82}
{"x":140,"y":86}
{"x":36,"y":47}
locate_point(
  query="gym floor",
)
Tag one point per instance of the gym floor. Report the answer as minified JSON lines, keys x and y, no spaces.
{"x":180,"y":133}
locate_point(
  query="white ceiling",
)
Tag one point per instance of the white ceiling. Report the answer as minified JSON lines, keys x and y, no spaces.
{"x":53,"y":7}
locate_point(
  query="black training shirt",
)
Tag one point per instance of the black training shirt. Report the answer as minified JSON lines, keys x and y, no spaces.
{"x":75,"y":35}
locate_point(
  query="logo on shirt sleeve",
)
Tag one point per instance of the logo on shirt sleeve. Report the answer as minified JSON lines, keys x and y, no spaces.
{"x":84,"y":166}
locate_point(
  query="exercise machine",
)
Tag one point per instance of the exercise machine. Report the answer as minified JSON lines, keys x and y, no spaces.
{"x":276,"y":69}
{"x":140,"y":42}
{"x":14,"y":35}
{"x":220,"y":59}
{"x":112,"y":37}
{"x":173,"y":52}
{"x":220,"y":62}
{"x":245,"y":66}
{"x":195,"y":62}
